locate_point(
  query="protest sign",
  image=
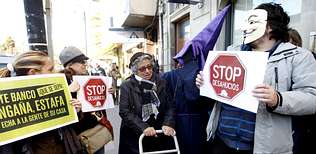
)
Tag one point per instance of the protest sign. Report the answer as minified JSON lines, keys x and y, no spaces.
{"x":230,"y":76}
{"x":30,"y":105}
{"x":93,"y":92}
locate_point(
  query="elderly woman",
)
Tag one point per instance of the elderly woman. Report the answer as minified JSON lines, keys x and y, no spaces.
{"x":144,"y":108}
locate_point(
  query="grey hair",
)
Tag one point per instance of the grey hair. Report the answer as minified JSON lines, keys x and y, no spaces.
{"x":139,"y":59}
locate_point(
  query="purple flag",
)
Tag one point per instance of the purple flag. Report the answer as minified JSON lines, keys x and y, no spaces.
{"x":205,"y":41}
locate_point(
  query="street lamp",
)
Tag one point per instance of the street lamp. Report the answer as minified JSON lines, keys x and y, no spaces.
{"x":85,"y":31}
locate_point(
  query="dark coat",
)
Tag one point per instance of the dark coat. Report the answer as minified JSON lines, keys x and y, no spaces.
{"x":191,"y":109}
{"x":132,"y":125}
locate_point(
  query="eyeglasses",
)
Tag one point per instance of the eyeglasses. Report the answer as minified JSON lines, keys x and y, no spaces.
{"x":144,"y":68}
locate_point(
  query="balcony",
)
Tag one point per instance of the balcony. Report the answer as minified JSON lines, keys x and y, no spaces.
{"x":139,"y":13}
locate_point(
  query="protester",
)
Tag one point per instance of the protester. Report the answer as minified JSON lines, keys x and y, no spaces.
{"x":192,"y":110}
{"x":191,"y":113}
{"x":145,"y":107}
{"x":304,"y":127}
{"x":75,"y":62}
{"x":115,"y":74}
{"x":61,"y":140}
{"x":289,"y":89}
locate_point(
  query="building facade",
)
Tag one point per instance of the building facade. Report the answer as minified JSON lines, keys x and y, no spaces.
{"x":179,"y":23}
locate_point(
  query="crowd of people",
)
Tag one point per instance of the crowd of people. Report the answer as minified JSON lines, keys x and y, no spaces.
{"x":150,"y":101}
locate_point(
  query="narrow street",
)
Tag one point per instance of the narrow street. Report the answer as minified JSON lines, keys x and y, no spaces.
{"x":113,"y":116}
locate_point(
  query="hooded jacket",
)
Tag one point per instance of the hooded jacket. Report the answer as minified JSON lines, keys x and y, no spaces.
{"x":292,"y":71}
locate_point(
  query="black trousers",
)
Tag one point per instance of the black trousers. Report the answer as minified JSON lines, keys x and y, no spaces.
{"x":217,"y":146}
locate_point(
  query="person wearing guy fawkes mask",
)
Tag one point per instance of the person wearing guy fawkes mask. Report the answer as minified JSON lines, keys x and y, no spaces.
{"x":145,"y":107}
{"x":289,"y":88}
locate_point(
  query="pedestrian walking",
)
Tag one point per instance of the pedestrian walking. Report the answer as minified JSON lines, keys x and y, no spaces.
{"x":116,"y":75}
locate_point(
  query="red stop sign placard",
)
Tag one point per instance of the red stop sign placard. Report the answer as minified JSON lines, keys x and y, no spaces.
{"x":95,"y":92}
{"x":227,"y":76}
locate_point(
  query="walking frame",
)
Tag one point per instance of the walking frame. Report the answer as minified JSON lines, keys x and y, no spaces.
{"x":141,"y":150}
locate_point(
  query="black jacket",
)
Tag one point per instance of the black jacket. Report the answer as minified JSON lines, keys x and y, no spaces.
{"x":132,"y":125}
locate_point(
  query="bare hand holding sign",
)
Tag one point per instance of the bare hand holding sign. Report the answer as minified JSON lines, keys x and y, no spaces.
{"x":94,"y":93}
{"x":230,"y":76}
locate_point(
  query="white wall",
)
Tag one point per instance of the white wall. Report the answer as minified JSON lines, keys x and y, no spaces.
{"x":143,"y":7}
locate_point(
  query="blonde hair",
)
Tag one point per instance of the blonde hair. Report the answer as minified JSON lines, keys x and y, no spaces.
{"x":24,"y":62}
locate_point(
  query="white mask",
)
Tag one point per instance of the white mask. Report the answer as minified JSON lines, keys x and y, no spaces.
{"x":254,"y":26}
